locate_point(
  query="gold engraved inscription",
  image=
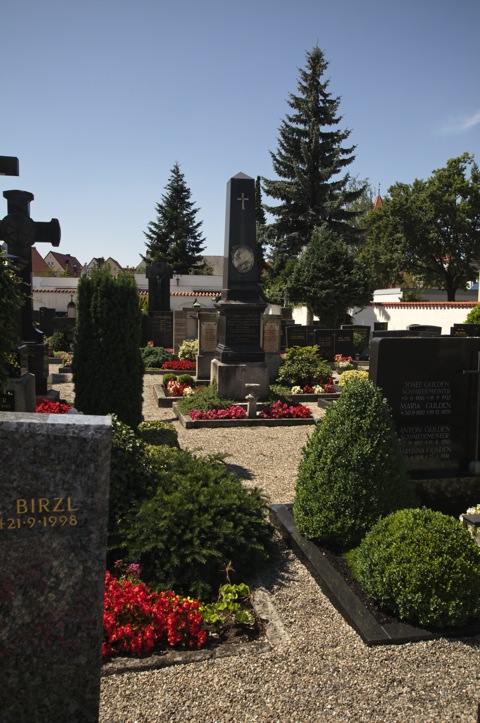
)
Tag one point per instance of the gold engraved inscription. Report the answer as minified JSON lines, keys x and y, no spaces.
{"x":40,"y":512}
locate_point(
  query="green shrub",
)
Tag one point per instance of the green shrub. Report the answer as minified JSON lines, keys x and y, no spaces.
{"x":156,"y":433}
{"x":188,"y":349}
{"x":57,"y":342}
{"x":130,"y":471}
{"x":186,"y":379}
{"x":199,"y":519}
{"x":423,"y":567}
{"x":359,"y":345}
{"x":350,"y":374}
{"x":302,"y":366}
{"x":473,"y":316}
{"x":154,"y":356}
{"x":352,"y":471}
{"x":204,"y":398}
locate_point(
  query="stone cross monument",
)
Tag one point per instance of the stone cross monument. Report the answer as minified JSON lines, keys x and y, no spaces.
{"x":239,"y":357}
{"x":20,"y":233}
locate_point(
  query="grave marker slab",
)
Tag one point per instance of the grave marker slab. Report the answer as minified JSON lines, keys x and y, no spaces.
{"x":54,"y":479}
{"x":431,"y":385}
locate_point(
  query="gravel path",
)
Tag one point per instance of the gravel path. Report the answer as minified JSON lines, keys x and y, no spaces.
{"x":318,"y":670}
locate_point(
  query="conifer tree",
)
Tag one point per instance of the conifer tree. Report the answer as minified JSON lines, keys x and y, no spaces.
{"x":309,"y":164}
{"x":261,"y":225}
{"x":175,"y":236}
{"x":107,"y":361}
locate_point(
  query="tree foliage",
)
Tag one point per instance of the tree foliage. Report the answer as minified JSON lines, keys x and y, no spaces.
{"x":107,"y":361}
{"x":329,"y":279}
{"x":429,"y":228}
{"x":12,"y":301}
{"x":175,"y":236}
{"x":309,"y":163}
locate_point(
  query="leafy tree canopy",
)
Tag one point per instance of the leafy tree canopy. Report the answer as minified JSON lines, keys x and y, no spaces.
{"x":175,"y":236}
{"x":429,"y":228}
{"x":329,"y":279}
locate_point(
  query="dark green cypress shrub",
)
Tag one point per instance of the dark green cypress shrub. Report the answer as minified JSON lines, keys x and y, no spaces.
{"x":199,"y":519}
{"x":423,"y":567}
{"x":352,"y":471}
{"x":107,"y":363}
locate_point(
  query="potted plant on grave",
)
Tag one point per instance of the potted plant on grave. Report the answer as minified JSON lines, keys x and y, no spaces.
{"x":342,"y":363}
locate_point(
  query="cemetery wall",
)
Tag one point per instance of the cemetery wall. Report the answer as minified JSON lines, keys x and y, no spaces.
{"x":400,"y":315}
{"x":56,"y":292}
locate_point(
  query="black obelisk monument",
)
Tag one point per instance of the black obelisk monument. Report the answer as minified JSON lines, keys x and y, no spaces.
{"x":239,"y":357}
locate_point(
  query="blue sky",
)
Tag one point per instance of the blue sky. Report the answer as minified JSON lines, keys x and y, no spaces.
{"x":101,"y":97}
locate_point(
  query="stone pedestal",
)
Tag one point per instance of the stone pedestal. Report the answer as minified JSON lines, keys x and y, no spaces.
{"x":38,"y":365}
{"x":231,"y":379}
{"x":22,"y":394}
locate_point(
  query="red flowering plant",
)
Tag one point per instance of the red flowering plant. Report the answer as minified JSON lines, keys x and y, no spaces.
{"x":233,"y":412}
{"x":138,"y":621}
{"x":282,"y":410}
{"x":45,"y":406}
{"x":183,"y":365}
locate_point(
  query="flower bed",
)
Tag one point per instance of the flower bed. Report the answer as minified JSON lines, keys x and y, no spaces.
{"x":183,"y":365}
{"x":236,"y":418}
{"x":137,"y":621}
{"x":281,"y":410}
{"x":45,"y":406}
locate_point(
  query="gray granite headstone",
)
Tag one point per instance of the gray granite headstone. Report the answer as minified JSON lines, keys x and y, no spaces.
{"x":54,"y":481}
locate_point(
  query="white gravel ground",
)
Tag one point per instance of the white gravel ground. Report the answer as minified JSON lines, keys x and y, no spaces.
{"x":319,"y":670}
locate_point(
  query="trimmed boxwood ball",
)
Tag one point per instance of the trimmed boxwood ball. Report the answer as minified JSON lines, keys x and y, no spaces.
{"x":197,"y":520}
{"x":352,"y":471}
{"x":423,"y":567}
{"x":155,"y":432}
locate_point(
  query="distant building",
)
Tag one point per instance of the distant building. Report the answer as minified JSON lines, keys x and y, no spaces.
{"x":39,"y":265}
{"x":98,"y":262}
{"x":62,"y":264}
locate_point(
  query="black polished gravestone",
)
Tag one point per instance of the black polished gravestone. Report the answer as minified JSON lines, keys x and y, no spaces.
{"x":431,"y":385}
{"x":239,"y":357}
{"x":465,"y":330}
{"x":160,"y":317}
{"x":331,"y":342}
{"x":20,"y":232}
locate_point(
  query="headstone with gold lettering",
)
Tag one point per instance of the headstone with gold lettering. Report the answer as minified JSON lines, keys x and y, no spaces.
{"x":54,"y":480}
{"x":239,"y":357}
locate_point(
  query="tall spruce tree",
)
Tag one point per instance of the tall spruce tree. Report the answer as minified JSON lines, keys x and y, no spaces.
{"x":309,"y":163}
{"x":175,"y":236}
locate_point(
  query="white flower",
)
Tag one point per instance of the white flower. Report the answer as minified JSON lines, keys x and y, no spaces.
{"x":296,"y":390}
{"x":188,"y":391}
{"x":318,"y":389}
